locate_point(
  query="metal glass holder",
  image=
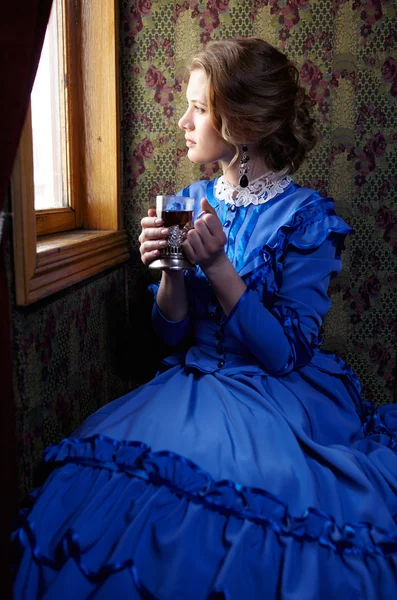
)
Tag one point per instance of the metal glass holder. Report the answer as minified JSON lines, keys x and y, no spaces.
{"x":172,"y":258}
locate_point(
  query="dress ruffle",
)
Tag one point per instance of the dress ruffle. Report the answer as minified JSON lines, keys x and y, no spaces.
{"x":379,"y":422}
{"x":174,"y":485}
{"x":184,"y":478}
{"x":309,"y":227}
{"x":312,"y":223}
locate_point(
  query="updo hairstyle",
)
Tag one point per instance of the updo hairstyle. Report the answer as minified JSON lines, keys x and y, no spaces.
{"x":254,"y":96}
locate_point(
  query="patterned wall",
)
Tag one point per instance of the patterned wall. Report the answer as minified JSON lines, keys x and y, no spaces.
{"x":73,"y":352}
{"x":346,"y":53}
{"x":69,"y":359}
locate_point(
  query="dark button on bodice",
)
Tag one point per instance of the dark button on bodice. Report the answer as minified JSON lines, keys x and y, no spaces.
{"x":233,"y":207}
{"x":226,"y":223}
{"x":221,"y":363}
{"x":219,"y":348}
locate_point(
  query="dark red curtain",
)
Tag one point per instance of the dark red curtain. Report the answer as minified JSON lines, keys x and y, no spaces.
{"x":22,"y":29}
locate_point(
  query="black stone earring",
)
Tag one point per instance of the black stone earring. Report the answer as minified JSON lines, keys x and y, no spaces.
{"x":243,"y":181}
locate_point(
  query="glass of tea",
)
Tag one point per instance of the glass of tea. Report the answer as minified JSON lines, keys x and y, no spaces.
{"x":177,"y":214}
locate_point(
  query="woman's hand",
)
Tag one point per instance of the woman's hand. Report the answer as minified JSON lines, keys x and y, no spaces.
{"x":171,"y":297}
{"x":205,"y":243}
{"x":153,"y":237}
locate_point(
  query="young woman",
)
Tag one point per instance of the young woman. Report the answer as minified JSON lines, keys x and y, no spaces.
{"x":249,"y":467}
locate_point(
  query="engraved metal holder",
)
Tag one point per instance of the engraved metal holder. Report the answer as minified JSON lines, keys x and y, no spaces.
{"x":172,"y":256}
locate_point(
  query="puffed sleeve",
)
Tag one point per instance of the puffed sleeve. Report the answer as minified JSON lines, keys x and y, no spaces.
{"x":283,"y":333}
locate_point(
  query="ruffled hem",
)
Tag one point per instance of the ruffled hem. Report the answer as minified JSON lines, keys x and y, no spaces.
{"x":186,"y":480}
{"x":118,"y":516}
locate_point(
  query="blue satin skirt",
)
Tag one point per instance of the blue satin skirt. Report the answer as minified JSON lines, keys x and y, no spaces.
{"x":219,"y":485}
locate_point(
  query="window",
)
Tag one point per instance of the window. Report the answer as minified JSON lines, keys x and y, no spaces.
{"x":49,"y":106}
{"x":80,"y":233}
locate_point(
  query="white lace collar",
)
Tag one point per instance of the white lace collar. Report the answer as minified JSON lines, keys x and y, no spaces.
{"x":259,"y":191}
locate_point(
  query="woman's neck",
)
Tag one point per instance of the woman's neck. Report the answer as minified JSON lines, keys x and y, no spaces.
{"x":231,"y":173}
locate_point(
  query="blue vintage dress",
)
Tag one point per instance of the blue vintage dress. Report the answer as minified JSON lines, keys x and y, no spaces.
{"x":249,"y":467}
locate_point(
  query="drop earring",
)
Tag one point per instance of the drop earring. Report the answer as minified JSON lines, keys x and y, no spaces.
{"x":244,"y":168}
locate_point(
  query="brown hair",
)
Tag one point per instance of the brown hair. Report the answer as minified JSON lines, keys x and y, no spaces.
{"x":255,"y":97}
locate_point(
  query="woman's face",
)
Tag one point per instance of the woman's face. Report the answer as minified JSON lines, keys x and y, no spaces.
{"x":204,"y":144}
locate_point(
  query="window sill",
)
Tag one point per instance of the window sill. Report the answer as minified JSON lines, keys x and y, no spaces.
{"x":63,"y":259}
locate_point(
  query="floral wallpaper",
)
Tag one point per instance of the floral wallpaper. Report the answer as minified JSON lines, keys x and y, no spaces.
{"x":69,"y":358}
{"x":346,"y":53}
{"x":90,"y":344}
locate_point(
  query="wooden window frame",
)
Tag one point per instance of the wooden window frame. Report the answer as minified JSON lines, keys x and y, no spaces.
{"x":86,"y":237}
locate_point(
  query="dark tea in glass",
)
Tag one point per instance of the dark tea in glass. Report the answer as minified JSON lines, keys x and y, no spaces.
{"x":177,"y":217}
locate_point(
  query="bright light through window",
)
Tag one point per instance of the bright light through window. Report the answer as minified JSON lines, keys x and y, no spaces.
{"x":48,"y":121}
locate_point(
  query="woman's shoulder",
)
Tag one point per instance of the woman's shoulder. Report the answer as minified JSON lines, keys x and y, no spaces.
{"x":306,"y":218}
{"x":300,"y":216}
{"x":298,"y":204}
{"x":297,"y":197}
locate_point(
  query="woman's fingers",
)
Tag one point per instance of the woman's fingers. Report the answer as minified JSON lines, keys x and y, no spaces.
{"x":210,"y":218}
{"x":211,"y":232}
{"x":153,"y":237}
{"x":206,"y":206}
{"x":151,"y":221}
{"x":201,"y":245}
{"x":152,"y":229}
{"x":151,"y":246}
{"x":207,"y":239}
{"x":206,"y":209}
{"x":193,"y":247}
{"x":149,"y":257}
{"x":153,"y":233}
{"x":213,"y":225}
